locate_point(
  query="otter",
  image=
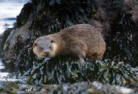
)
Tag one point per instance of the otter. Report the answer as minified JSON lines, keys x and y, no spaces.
{"x":82,"y":40}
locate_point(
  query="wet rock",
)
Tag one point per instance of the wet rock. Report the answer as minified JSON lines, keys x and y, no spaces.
{"x":16,"y":35}
{"x":76,"y":88}
{"x":86,"y":88}
{"x":24,"y":15}
{"x":132,"y":7}
{"x":3,"y":38}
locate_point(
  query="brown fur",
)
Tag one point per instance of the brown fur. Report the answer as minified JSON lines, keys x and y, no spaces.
{"x":82,"y":40}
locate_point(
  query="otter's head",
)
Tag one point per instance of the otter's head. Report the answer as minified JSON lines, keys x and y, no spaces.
{"x":45,"y":47}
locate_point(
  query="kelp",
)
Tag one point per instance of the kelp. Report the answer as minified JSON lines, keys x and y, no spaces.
{"x":65,"y":70}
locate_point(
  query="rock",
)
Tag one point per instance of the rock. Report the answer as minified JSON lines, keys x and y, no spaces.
{"x":18,"y":34}
{"x":132,"y":8}
{"x":3,"y":38}
{"x":87,"y":88}
{"x":112,"y":89}
{"x":75,"y":88}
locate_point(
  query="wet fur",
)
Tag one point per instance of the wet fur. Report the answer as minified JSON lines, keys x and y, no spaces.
{"x":82,"y":40}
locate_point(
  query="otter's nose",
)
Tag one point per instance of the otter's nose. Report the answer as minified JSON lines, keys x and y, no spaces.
{"x":46,"y":54}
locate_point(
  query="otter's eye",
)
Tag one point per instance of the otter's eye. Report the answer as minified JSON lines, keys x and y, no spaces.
{"x":52,"y":41}
{"x":34,"y":44}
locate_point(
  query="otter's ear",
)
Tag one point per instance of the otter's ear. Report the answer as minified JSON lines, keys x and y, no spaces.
{"x":52,"y":41}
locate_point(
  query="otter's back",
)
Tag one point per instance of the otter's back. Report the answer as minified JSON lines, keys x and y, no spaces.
{"x":84,"y":32}
{"x":87,"y":34}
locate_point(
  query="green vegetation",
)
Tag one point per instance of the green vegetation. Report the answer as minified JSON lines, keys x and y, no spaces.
{"x":57,"y":71}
